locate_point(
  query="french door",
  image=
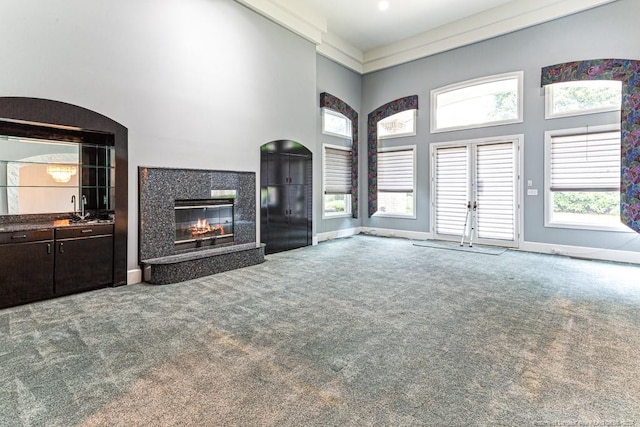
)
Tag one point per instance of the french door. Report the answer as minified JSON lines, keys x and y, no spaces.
{"x":476,"y":183}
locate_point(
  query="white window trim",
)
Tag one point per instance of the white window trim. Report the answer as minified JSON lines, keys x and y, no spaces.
{"x":548,"y":194}
{"x":412,"y":132}
{"x":415,"y":175}
{"x":474,"y":82}
{"x":336,"y":215}
{"x":548,"y":107}
{"x":340,"y":115}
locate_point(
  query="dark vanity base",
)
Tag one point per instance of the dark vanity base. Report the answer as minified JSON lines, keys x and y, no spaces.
{"x":192,"y":265}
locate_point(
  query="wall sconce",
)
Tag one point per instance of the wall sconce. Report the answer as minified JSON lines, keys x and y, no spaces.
{"x":61,"y":173}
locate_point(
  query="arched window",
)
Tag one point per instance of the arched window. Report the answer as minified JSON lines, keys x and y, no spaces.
{"x":379,"y":114}
{"x":628,"y":72}
{"x":331,"y":104}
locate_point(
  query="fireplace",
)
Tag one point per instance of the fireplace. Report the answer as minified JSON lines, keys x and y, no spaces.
{"x":203,"y":222}
{"x":173,"y":246}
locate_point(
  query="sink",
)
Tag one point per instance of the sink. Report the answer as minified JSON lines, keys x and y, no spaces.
{"x":76,"y":220}
{"x":83,"y":221}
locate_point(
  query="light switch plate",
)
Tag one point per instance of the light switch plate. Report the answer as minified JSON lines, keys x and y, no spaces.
{"x":532,"y":192}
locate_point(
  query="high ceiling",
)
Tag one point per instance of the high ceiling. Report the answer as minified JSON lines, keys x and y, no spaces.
{"x":363,"y":25}
{"x":357,"y":34}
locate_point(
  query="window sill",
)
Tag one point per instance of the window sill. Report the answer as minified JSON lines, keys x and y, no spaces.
{"x":391,"y":215}
{"x":576,"y":226}
{"x":342,"y":215}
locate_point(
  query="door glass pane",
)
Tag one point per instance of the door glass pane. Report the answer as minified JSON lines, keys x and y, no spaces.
{"x":495,"y":191}
{"x":451,"y":190}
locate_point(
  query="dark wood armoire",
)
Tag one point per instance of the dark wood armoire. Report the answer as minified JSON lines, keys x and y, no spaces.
{"x":285,"y":196}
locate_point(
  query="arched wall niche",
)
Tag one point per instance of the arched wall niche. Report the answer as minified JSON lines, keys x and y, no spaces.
{"x":55,"y":120}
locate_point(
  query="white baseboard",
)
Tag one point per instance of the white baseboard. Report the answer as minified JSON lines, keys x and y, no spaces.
{"x":582,"y":252}
{"x":387,"y":232}
{"x":134,"y":276}
{"x":329,"y":235}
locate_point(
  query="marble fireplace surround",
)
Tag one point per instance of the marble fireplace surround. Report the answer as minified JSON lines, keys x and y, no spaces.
{"x":158,"y":189}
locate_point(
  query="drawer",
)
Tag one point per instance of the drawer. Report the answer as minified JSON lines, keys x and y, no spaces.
{"x":26,"y":236}
{"x":84,"y":231}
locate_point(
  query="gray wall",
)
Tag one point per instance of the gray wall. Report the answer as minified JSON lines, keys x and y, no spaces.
{"x":198,"y":83}
{"x":205,"y":86}
{"x":609,"y":31}
{"x":346,"y":85}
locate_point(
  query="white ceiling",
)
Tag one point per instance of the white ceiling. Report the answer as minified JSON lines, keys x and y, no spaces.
{"x":358,"y":35}
{"x":363,"y":25}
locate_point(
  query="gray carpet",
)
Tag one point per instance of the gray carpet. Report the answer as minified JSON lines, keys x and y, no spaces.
{"x":455,"y":246}
{"x":357,"y":331}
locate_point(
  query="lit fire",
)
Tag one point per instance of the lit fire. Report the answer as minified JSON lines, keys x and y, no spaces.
{"x":202,"y":228}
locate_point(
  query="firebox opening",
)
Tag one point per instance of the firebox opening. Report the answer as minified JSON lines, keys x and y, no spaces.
{"x":203,"y":222}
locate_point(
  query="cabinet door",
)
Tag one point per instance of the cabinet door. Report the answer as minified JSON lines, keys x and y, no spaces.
{"x":277,"y":169}
{"x":26,"y":272}
{"x":277,"y":233}
{"x":297,"y":169}
{"x":83,"y":263}
{"x":297,"y":216}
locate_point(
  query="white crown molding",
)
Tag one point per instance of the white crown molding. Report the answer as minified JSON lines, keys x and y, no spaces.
{"x":292,"y":16}
{"x":510,"y":17}
{"x":501,"y":20}
{"x":336,"y":49}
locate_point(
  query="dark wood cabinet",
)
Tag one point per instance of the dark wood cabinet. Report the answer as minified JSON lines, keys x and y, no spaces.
{"x":26,"y":266}
{"x":286,"y":200}
{"x":44,"y":263}
{"x":84,"y":258}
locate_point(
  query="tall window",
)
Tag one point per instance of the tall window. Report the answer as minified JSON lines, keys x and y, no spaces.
{"x":337,"y":181}
{"x":487,"y":101}
{"x":396,"y":182}
{"x":582,"y":178}
{"x":582,"y":97}
{"x":334,"y":123}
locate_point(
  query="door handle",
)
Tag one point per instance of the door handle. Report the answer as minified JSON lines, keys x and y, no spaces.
{"x":48,"y":248}
{"x":61,"y":248}
{"x":22,"y":236}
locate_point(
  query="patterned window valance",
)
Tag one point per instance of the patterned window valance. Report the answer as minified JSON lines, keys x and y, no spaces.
{"x":336,"y":104}
{"x":628,"y":72}
{"x":393,"y":107}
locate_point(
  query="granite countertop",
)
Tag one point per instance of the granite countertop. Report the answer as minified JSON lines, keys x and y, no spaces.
{"x":41,"y":225}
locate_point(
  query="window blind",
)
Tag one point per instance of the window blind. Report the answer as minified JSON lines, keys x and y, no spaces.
{"x":587,"y":162}
{"x":495,"y":191}
{"x":337,"y":171}
{"x":395,"y":171}
{"x":452,"y":182}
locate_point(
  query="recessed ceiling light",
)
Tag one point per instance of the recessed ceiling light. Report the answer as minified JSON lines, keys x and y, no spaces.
{"x":383,"y":5}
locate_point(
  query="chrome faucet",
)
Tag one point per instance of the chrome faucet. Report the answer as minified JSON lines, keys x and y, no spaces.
{"x":83,"y":202}
{"x":73,"y":200}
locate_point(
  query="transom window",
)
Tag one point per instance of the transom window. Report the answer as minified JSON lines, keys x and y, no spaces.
{"x":583,"y":178}
{"x":396,"y":182}
{"x":397,"y":125}
{"x":337,"y":181}
{"x":582,"y":97}
{"x":336,"y":124}
{"x":487,"y":101}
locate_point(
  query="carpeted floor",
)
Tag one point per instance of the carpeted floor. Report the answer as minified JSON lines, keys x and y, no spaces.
{"x":352,"y":332}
